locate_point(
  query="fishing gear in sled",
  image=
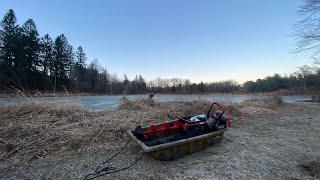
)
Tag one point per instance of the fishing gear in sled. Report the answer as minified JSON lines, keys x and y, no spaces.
{"x":183,"y":135}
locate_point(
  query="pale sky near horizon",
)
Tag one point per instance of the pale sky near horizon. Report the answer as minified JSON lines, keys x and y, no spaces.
{"x":206,"y":40}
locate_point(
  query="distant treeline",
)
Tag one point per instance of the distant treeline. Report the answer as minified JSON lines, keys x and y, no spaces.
{"x":31,"y":63}
{"x":176,"y":85}
{"x":307,"y":79}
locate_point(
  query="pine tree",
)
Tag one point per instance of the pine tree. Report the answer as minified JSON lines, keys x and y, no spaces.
{"x":93,"y":71}
{"x":1,"y":42}
{"x":142,"y":87}
{"x":126,"y":85}
{"x":78,"y":73}
{"x":30,"y":61}
{"x":61,"y":63}
{"x":46,"y":54}
{"x":31,"y":44}
{"x":70,"y":59}
{"x":9,"y":51}
{"x":80,"y":57}
{"x":9,"y":32}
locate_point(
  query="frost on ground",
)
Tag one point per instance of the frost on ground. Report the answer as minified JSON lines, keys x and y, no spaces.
{"x":60,"y":141}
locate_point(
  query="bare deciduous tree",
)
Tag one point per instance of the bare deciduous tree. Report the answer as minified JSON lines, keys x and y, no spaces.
{"x":307,"y":30}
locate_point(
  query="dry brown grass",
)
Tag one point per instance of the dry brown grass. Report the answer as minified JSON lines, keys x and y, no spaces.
{"x":38,"y":138}
{"x":136,"y":105}
{"x":262,"y":105}
{"x":233,"y":109}
{"x":274,"y":100}
{"x":37,"y":129}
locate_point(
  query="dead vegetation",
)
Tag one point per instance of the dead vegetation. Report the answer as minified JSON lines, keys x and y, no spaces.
{"x":38,"y":131}
{"x":139,"y":104}
{"x":261,"y":105}
{"x":273,"y":100}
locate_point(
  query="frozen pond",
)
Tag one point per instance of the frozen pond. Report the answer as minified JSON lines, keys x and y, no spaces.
{"x":97,"y":103}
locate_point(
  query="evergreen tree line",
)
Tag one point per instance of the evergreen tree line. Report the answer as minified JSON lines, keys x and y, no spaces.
{"x":184,"y":86}
{"x":307,"y":79}
{"x":29,"y":62}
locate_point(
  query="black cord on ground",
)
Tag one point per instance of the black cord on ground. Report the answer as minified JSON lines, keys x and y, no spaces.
{"x":106,"y":161}
{"x":99,"y":171}
{"x":112,"y":170}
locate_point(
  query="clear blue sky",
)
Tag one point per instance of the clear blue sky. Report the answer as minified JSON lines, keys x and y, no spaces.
{"x":207,"y":40}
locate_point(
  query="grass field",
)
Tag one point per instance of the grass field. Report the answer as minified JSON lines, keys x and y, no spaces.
{"x":269,"y":139}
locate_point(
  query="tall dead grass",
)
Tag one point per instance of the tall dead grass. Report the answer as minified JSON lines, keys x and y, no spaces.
{"x":273,"y":100}
{"x":38,"y":129}
{"x":139,"y":104}
{"x":177,"y":109}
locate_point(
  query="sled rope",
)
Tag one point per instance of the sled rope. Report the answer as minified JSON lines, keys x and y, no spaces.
{"x":105,"y":168}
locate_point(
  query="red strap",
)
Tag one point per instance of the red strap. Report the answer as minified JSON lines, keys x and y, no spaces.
{"x":229,"y":122}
